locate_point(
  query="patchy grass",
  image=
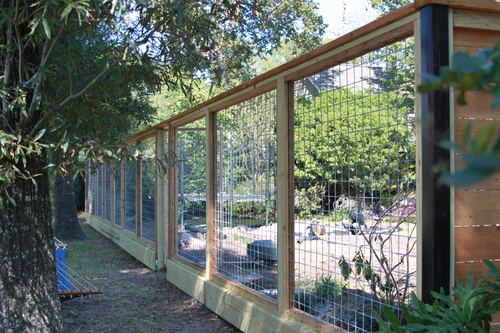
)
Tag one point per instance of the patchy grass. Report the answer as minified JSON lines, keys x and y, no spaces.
{"x":134,"y":299}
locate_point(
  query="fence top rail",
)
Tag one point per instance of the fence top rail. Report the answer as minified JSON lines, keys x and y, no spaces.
{"x":198,"y":111}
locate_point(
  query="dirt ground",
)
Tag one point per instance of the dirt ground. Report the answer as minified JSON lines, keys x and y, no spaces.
{"x":134,"y":299}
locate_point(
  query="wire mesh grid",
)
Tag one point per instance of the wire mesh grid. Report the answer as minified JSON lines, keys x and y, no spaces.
{"x":130,"y":196}
{"x":92,"y":192}
{"x":107,"y":192}
{"x":246,"y":236}
{"x":192,"y":227}
{"x":148,"y":195}
{"x":99,"y":190}
{"x":117,"y":174}
{"x":354,"y":188}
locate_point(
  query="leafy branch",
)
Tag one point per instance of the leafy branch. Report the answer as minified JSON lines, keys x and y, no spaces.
{"x":468,"y":309}
{"x":480,"y":151}
{"x":376,"y":268}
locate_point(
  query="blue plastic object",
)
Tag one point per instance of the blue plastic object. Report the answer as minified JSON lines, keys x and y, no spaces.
{"x":62,"y":274}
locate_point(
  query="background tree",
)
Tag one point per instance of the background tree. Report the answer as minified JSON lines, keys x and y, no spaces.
{"x":387,"y":6}
{"x":120,"y":101}
{"x":176,"y":40}
{"x":376,"y":138}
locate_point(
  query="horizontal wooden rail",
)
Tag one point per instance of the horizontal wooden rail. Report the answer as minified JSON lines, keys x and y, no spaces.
{"x":80,"y":292}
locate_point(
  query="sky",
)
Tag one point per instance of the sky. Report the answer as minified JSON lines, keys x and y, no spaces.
{"x":357,"y":13}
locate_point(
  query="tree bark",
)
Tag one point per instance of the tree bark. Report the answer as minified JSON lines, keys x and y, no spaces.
{"x":29,"y":298}
{"x":66,"y":225}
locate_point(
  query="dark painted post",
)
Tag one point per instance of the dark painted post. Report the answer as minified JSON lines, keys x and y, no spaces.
{"x":435,"y":203}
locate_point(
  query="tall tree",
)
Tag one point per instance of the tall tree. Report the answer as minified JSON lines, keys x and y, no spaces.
{"x":176,"y":39}
{"x":120,"y":102}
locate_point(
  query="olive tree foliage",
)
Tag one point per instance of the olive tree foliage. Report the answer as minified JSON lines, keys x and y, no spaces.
{"x":175,"y":40}
{"x":387,"y":6}
{"x":119,"y":101}
{"x":55,"y":87}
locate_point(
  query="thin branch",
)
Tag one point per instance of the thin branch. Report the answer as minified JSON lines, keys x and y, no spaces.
{"x":20,"y":47}
{"x":7,"y":70}
{"x":47,"y":52}
{"x":48,"y":48}
{"x":40,"y":122}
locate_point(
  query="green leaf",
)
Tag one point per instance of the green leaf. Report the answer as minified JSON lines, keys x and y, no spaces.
{"x":67,"y":10}
{"x":345,"y":268}
{"x":46,"y":28}
{"x":465,"y":177}
{"x":39,"y":134}
{"x":483,"y":139}
{"x":495,"y":272}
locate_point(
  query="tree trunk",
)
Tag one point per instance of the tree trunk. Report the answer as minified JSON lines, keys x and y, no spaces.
{"x":66,"y":215}
{"x":29,"y":297}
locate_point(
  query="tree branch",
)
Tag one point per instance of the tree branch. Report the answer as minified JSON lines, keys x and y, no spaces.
{"x":40,"y":122}
{"x":7,"y":72}
{"x":48,"y":48}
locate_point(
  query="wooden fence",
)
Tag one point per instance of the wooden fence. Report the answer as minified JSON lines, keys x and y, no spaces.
{"x":251,"y":225}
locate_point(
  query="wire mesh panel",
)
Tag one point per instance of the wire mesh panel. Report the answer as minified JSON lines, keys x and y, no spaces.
{"x":107,"y":192}
{"x":148,"y":195}
{"x":88,"y":190}
{"x":99,"y":190}
{"x":246,"y":234}
{"x":192,"y":194}
{"x":354,"y":188}
{"x":92,"y":208}
{"x":130,"y":196}
{"x":117,"y":174}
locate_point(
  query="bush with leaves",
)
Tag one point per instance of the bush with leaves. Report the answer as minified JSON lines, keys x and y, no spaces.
{"x":360,"y":137}
{"x":468,"y":309}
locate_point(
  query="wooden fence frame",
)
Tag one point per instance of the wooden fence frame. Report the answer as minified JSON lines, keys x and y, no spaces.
{"x":452,"y":231}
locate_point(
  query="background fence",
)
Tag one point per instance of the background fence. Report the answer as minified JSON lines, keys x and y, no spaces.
{"x":192,"y":229}
{"x":302,"y":200}
{"x":245,"y":206}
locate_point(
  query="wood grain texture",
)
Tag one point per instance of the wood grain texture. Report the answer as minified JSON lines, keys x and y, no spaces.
{"x":188,"y":280}
{"x":477,"y":208}
{"x":478,"y":5}
{"x":471,"y":40}
{"x":284,"y":144}
{"x":463,"y":269}
{"x":477,"y":125}
{"x":477,"y":243}
{"x":248,"y":316}
{"x":172,"y":195}
{"x":478,"y":106}
{"x":161,"y":200}
{"x":476,"y":20}
{"x":142,"y":251}
{"x":211,"y":253}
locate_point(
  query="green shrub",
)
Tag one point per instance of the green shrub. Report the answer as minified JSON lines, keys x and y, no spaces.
{"x":468,"y":309}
